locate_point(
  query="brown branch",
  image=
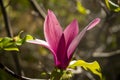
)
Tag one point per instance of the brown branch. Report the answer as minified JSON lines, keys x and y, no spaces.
{"x":106,"y":54}
{"x":10,"y":34}
{"x":6,"y":20}
{"x":103,"y":6}
{"x":38,"y":8}
{"x":7,"y":70}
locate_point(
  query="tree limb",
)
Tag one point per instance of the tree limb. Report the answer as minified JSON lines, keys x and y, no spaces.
{"x":38,"y":8}
{"x":104,"y":7}
{"x":106,"y":54}
{"x":10,"y":34}
{"x":15,"y":75}
{"x":6,"y":20}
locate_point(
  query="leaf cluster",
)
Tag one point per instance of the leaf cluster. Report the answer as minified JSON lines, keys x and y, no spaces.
{"x":12,"y":44}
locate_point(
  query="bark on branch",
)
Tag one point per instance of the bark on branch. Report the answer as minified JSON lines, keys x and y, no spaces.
{"x":38,"y":8}
{"x":7,"y":70}
{"x":10,"y":34}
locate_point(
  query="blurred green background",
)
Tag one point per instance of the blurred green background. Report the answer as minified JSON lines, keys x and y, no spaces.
{"x":101,"y":43}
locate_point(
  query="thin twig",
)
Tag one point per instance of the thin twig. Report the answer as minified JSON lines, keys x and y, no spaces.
{"x":10,"y":34}
{"x":15,"y":75}
{"x":106,"y":54}
{"x":9,"y":2}
{"x":38,"y":8}
{"x":104,"y":7}
{"x":6,"y":20}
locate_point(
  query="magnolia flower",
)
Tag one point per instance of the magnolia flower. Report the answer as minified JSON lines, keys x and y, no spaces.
{"x":62,"y":43}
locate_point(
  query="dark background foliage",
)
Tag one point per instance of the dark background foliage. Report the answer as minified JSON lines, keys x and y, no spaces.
{"x":101,"y":43}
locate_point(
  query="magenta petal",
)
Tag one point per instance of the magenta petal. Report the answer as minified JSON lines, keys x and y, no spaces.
{"x":39,"y":42}
{"x":77,"y":39}
{"x":61,"y":54}
{"x":93,"y":23}
{"x":71,"y":31}
{"x":44,"y":44}
{"x":52,"y":30}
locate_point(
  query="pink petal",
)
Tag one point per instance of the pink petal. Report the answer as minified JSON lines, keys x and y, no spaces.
{"x":45,"y":44}
{"x":77,"y":39}
{"x":52,"y":30}
{"x":93,"y":23}
{"x":71,"y":31}
{"x":61,"y":47}
{"x":39,"y":42}
{"x":61,"y":53}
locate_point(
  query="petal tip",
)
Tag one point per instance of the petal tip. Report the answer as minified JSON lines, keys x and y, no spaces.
{"x":75,"y":20}
{"x":49,"y":11}
{"x":93,"y":23}
{"x":97,"y":20}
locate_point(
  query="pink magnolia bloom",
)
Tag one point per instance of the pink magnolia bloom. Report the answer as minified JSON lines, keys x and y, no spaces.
{"x":62,"y":43}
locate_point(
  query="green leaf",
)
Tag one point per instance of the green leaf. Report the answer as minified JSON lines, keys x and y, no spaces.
{"x":29,"y":37}
{"x":8,"y":44}
{"x":60,"y":74}
{"x":11,"y":44}
{"x":19,"y":41}
{"x":11,"y":49}
{"x":112,"y":6}
{"x":93,"y":66}
{"x":82,"y":9}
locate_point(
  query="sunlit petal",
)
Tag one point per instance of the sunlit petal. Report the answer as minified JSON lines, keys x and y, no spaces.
{"x":52,"y":30}
{"x":71,"y":31}
{"x":77,"y":39}
{"x":93,"y":23}
{"x":39,"y":42}
{"x":44,"y":44}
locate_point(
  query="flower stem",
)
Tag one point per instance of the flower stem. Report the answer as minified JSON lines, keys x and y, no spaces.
{"x":60,"y":74}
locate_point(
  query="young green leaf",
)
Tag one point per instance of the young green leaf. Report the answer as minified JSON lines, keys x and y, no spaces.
{"x":29,"y":37}
{"x":8,"y":44}
{"x":11,"y":44}
{"x":11,"y":49}
{"x":112,"y":6}
{"x":93,"y":66}
{"x":82,"y":9}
